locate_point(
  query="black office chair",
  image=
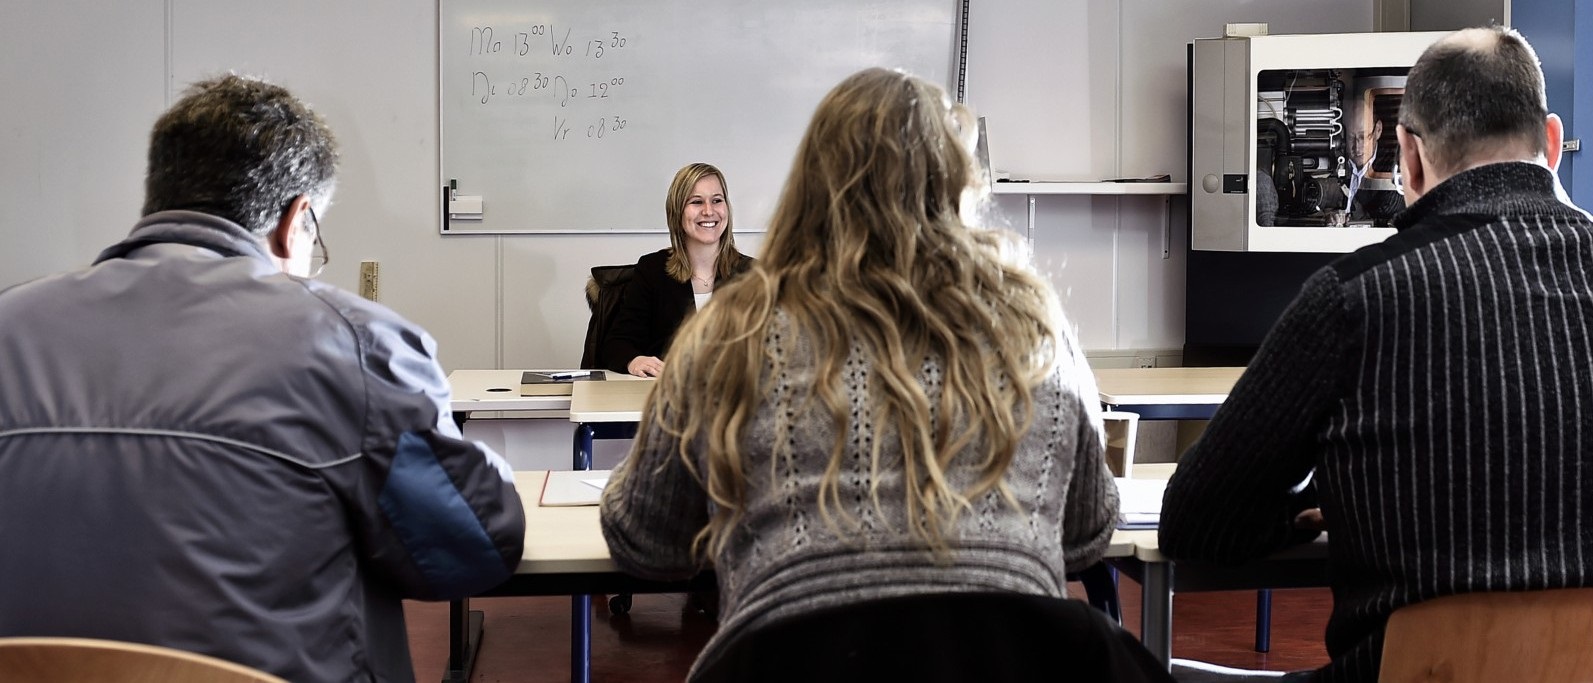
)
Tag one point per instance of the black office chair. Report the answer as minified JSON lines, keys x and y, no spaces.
{"x":940,"y":637}
{"x":603,"y":291}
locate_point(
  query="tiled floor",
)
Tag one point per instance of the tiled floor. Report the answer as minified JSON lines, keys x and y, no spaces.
{"x":528,"y":639}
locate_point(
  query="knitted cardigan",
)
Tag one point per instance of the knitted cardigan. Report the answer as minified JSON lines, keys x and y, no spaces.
{"x":783,"y":559}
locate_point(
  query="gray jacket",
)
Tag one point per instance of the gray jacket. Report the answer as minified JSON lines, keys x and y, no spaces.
{"x":201,"y":452}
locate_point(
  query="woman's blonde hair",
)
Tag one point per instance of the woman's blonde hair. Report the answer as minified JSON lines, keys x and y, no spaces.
{"x":869,"y":248}
{"x":679,"y":265}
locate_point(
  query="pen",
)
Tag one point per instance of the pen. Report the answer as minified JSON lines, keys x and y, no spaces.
{"x":570,"y":374}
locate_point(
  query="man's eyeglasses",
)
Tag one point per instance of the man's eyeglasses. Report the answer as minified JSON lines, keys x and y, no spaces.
{"x":320,"y":256}
{"x":1399,"y":179}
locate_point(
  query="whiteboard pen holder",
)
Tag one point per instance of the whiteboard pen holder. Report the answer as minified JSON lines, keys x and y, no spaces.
{"x":465,"y":208}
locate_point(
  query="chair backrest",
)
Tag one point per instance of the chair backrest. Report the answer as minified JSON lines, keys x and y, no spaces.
{"x":1122,"y":431}
{"x":939,"y":638}
{"x":603,"y":292}
{"x":84,"y":660}
{"x":1523,"y":637}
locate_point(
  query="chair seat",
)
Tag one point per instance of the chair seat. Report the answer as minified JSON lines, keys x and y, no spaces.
{"x":1522,"y":637}
{"x":85,"y":660}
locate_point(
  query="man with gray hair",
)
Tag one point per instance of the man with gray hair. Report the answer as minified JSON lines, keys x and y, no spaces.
{"x":203,"y":448}
{"x":1426,"y":400}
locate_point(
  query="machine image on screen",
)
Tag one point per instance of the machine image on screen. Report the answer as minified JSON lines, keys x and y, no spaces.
{"x":1326,"y":151}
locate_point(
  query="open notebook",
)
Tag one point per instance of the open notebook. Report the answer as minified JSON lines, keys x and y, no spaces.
{"x":573,"y":487}
{"x":1140,"y":502}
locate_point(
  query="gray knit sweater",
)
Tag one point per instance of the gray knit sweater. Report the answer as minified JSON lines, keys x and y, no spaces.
{"x":783,"y":560}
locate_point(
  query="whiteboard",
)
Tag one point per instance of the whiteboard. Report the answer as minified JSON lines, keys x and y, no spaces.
{"x":573,"y":115}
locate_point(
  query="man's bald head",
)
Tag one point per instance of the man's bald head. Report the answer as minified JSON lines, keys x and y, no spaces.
{"x":1476,"y":94}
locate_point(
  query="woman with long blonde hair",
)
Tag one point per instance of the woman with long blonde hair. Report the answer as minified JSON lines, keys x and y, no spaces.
{"x":669,"y":285}
{"x":888,"y":405}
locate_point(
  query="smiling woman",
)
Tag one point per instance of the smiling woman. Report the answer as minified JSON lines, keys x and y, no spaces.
{"x":670,"y":284}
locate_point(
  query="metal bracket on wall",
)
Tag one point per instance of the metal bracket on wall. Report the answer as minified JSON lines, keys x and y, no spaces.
{"x":1028,"y":232}
{"x":1167,"y":227}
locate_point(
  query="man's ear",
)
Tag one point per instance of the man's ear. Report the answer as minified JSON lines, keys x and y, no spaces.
{"x":283,"y":238}
{"x":1554,"y":130}
{"x":1413,"y":175}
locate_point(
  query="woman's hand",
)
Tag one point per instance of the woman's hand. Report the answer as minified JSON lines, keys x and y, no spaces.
{"x":645,"y":366}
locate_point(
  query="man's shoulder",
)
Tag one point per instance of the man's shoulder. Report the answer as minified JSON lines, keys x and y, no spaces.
{"x":32,"y":289}
{"x":363,"y":315}
{"x":1428,"y":232}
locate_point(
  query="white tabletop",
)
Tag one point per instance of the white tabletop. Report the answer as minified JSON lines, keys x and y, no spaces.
{"x":561,"y":539}
{"x":610,"y":401}
{"x":475,"y":390}
{"x":1165,"y":386}
{"x":1146,"y":549}
{"x":570,"y":539}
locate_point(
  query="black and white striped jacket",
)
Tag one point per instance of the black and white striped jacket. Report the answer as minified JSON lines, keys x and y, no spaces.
{"x":1439,"y":385}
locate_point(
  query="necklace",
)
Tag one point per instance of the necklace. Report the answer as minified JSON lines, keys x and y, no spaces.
{"x":706,"y":282}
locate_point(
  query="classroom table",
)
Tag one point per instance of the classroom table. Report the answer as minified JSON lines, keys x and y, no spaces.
{"x":565,"y":554}
{"x":1194,"y":394}
{"x":494,"y":391}
{"x":499,"y":390}
{"x":611,"y":410}
{"x":1166,"y":393}
{"x":605,"y":410}
{"x":1302,"y":566}
{"x":600,"y":410}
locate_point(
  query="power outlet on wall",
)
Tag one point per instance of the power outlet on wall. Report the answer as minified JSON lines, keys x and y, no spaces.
{"x":370,"y":272}
{"x":1144,"y":361}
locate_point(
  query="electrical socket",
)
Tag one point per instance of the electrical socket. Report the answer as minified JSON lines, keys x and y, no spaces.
{"x":370,"y":272}
{"x":1144,"y":361}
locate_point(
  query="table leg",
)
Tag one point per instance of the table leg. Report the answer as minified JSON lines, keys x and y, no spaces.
{"x":1100,"y":588}
{"x":464,"y":641}
{"x":581,"y":639}
{"x":1156,"y":611}
{"x":581,"y":605}
{"x":464,"y":626}
{"x":1263,"y":620}
{"x":584,"y":436}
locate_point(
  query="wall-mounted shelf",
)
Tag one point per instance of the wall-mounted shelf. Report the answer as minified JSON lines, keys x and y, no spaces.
{"x":1086,"y":188}
{"x":1051,"y":187}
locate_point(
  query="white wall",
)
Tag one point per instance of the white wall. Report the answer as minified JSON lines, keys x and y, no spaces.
{"x":1095,"y":89}
{"x":79,"y":99}
{"x":1071,"y":88}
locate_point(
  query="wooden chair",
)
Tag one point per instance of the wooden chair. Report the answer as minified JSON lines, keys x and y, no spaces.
{"x":1521,"y":637}
{"x":84,"y":660}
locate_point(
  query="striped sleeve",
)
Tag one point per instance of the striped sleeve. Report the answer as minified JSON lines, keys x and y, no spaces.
{"x":1235,"y":494}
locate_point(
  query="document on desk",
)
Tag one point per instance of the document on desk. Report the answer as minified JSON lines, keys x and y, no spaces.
{"x":573,"y":487}
{"x":1140,"y":502}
